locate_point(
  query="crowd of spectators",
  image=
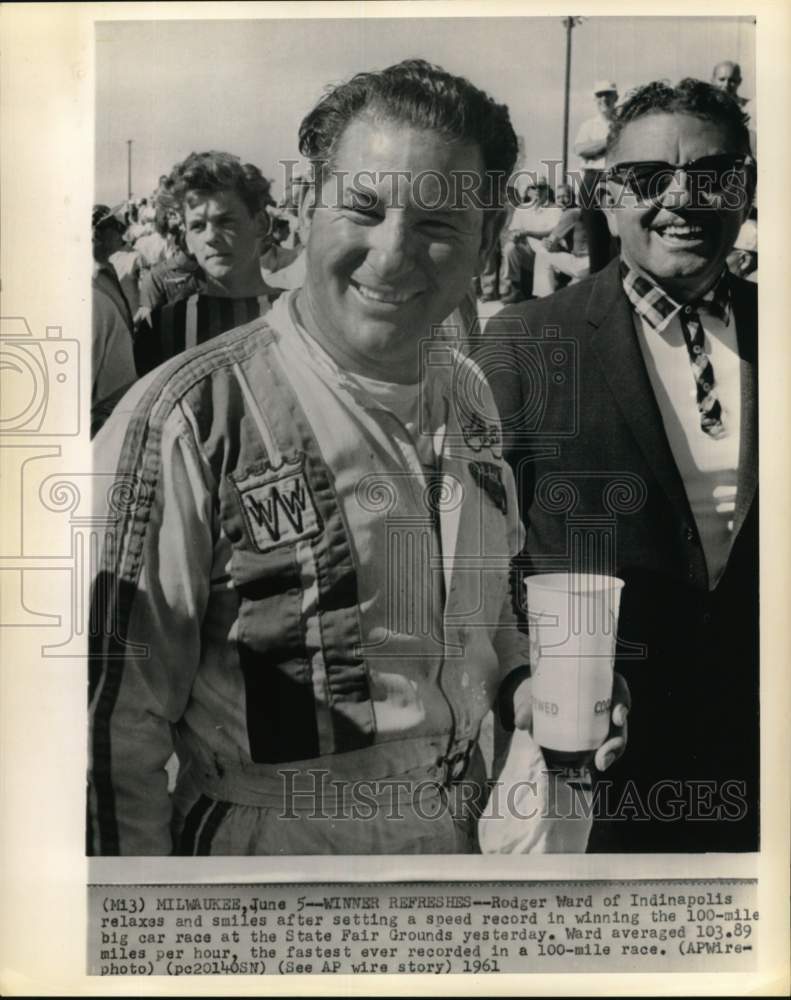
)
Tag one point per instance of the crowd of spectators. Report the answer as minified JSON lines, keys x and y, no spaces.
{"x":162,"y":285}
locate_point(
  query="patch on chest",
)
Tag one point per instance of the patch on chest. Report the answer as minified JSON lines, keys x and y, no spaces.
{"x":479,"y":434}
{"x":490,"y":479}
{"x":278,"y":507}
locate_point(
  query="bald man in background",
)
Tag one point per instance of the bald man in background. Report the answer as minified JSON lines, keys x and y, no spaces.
{"x":727,"y":76}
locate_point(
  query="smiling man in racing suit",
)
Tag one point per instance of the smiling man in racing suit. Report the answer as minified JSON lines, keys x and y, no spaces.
{"x":305,"y":590}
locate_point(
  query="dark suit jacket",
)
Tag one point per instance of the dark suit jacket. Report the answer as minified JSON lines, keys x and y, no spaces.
{"x":599,"y":490}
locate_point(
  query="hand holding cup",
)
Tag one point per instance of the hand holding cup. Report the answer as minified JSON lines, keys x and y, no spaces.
{"x":575,"y":706}
{"x":613,"y":747}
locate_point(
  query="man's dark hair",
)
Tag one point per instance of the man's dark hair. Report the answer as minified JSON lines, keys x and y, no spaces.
{"x":420,"y":95}
{"x":690,"y":97}
{"x":211,"y":172}
{"x":104,"y":219}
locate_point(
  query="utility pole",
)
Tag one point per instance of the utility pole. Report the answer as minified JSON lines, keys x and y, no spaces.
{"x":129,"y":169}
{"x":569,"y":23}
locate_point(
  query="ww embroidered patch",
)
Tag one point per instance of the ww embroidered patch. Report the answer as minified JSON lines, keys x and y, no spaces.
{"x":277,"y":506}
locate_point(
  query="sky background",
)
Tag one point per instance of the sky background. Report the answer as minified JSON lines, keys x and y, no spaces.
{"x":174,"y":87}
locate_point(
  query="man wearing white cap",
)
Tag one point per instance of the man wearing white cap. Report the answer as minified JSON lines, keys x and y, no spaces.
{"x":590,"y":146}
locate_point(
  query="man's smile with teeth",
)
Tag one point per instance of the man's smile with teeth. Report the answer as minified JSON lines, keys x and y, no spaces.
{"x":391,"y":296}
{"x":678,"y":230}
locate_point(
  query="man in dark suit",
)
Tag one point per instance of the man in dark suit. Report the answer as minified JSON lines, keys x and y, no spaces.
{"x":630,"y":419}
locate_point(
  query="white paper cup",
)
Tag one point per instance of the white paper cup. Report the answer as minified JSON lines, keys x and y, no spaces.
{"x":573,"y":621}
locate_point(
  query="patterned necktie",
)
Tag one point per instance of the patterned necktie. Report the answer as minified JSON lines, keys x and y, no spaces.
{"x":708,"y":403}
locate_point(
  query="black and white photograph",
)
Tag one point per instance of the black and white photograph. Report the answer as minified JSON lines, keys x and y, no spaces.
{"x":293,"y":604}
{"x":398,"y":573}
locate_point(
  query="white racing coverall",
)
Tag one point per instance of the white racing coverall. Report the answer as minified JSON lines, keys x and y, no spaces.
{"x":305,"y":592}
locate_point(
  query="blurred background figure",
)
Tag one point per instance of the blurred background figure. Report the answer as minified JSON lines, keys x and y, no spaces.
{"x":135,"y":228}
{"x":276,"y":253}
{"x":177,"y":274}
{"x":590,"y":146}
{"x":727,"y":76}
{"x":743,"y":259}
{"x":175,"y":278}
{"x":530,"y":223}
{"x":147,"y":212}
{"x":162,"y":242}
{"x":562,"y":255}
{"x":490,"y":275}
{"x":126,"y":262}
{"x":289,"y":205}
{"x":113,"y":366}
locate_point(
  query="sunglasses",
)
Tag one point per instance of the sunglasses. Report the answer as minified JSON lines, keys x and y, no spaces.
{"x":710,"y":176}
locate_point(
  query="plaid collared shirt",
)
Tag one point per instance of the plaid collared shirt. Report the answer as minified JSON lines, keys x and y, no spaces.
{"x":657,"y":308}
